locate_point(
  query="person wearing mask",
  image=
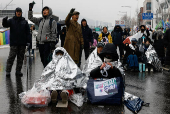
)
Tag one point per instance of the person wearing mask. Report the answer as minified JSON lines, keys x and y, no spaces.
{"x":117,"y":37}
{"x":108,"y":55}
{"x":105,"y":36}
{"x":62,"y":36}
{"x":74,"y":37}
{"x":47,"y":32}
{"x":19,"y":37}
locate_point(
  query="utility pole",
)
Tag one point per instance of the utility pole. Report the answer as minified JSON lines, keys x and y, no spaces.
{"x":42,"y":4}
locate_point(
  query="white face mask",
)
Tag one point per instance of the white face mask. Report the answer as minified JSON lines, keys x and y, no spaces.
{"x":59,"y":56}
{"x":107,"y":60}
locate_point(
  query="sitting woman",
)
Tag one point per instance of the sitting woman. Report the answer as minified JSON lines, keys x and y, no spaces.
{"x":107,"y":68}
{"x":132,"y":55}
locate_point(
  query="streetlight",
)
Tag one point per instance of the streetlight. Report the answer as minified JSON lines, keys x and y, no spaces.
{"x":130,"y":16}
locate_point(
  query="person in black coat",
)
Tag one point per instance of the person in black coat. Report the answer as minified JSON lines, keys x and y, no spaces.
{"x":108,"y":55}
{"x":117,"y":38}
{"x":167,"y":46}
{"x":159,"y":44}
{"x":19,"y":37}
{"x":62,"y":36}
{"x":88,"y":39}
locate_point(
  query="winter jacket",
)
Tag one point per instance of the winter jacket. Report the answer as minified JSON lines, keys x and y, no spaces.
{"x":45,"y":34}
{"x":19,"y":31}
{"x":87,"y":36}
{"x":108,"y":35}
{"x":167,"y":45}
{"x":117,"y":36}
{"x":74,"y":38}
{"x":95,"y":36}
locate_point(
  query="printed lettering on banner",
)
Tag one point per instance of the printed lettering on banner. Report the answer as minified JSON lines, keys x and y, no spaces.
{"x":105,"y":87}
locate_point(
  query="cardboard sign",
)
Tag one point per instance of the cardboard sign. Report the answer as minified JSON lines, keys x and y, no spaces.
{"x":105,"y":87}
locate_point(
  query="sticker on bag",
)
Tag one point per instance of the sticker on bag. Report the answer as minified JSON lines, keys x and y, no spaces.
{"x":106,"y":87}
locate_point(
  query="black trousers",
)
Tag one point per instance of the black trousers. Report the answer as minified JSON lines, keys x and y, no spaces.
{"x":18,"y":51}
{"x":86,"y":51}
{"x":120,"y":49}
{"x":45,"y":51}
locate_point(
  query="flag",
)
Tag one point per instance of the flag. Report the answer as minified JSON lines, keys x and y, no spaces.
{"x":159,"y":25}
{"x":164,"y":26}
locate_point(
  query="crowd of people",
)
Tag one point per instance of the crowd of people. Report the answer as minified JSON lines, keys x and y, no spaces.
{"x":100,"y":50}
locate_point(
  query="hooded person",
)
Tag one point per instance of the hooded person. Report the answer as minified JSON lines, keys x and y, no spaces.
{"x":19,"y":37}
{"x":109,"y":67}
{"x":47,"y":32}
{"x":105,"y":36}
{"x":117,"y":36}
{"x":141,"y":35}
{"x":60,"y":74}
{"x":94,"y":60}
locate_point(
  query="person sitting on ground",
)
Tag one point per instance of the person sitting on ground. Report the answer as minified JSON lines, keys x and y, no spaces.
{"x":106,"y":69}
{"x":132,"y":55}
{"x":105,"y":36}
{"x":93,"y":60}
{"x":151,"y":59}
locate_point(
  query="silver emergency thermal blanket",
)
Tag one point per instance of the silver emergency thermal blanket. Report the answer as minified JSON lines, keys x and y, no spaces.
{"x":94,"y":61}
{"x":152,"y":58}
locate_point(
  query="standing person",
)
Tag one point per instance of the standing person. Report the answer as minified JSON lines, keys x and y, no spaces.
{"x":118,"y":39}
{"x":19,"y":36}
{"x":47,"y":32}
{"x":167,"y":47}
{"x":34,"y":34}
{"x":88,"y":39}
{"x":105,"y":36}
{"x":74,"y":37}
{"x":62,"y":36}
{"x":95,"y":35}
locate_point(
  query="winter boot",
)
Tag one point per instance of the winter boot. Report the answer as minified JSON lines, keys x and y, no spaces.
{"x":54,"y":95}
{"x":64,"y":96}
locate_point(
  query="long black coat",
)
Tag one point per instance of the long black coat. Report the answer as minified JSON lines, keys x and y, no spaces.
{"x":167,"y":45}
{"x":19,"y":31}
{"x":87,"y":36}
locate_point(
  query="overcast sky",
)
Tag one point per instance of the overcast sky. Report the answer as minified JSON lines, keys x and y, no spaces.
{"x":101,"y":10}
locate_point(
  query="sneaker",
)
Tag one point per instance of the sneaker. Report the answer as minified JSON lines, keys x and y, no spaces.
{"x":8,"y":74}
{"x":19,"y":73}
{"x":54,"y":95}
{"x":64,"y":96}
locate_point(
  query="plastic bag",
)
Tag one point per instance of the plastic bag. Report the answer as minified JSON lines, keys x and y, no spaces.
{"x":32,"y":98}
{"x":77,"y":99}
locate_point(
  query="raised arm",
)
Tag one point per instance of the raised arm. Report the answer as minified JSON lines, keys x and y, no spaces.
{"x":33,"y":19}
{"x":6,"y":22}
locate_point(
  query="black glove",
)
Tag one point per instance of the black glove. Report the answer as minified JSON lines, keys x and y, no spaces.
{"x":5,"y":19}
{"x":71,"y":11}
{"x":52,"y":45}
{"x":31,"y":5}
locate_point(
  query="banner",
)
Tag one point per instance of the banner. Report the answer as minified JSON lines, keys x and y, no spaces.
{"x":105,"y":87}
{"x":4,"y":37}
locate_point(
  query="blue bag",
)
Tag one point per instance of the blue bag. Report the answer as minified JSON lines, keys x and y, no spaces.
{"x":110,"y":91}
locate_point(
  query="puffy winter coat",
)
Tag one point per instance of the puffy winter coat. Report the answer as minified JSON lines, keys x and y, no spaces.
{"x":108,"y":35}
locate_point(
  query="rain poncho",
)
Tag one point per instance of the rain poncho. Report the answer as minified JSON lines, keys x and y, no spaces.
{"x":152,"y":58}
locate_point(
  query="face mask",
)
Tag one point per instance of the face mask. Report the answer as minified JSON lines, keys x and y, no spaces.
{"x":133,"y":43}
{"x":142,"y":30}
{"x":107,"y":60}
{"x":59,"y":57}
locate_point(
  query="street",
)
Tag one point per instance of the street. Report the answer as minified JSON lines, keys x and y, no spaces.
{"x":151,"y":87}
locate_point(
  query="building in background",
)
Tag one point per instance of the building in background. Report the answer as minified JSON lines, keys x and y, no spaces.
{"x":147,"y":9}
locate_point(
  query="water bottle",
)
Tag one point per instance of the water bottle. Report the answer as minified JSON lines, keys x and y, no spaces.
{"x":140,"y":67}
{"x":143,"y":67}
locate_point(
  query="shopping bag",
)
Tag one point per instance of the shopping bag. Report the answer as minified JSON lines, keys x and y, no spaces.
{"x":110,"y":91}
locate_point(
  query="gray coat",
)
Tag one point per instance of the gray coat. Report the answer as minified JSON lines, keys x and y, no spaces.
{"x":44,"y":32}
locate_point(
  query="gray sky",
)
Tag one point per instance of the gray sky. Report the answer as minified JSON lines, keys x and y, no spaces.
{"x":101,"y":10}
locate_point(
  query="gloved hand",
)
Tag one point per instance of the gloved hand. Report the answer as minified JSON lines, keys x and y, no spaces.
{"x":31,"y":5}
{"x":52,"y":45}
{"x":5,"y":19}
{"x":82,"y":46}
{"x":71,"y":11}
